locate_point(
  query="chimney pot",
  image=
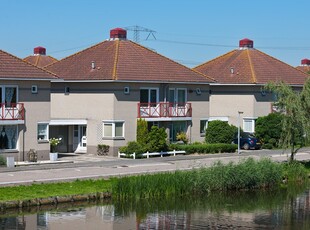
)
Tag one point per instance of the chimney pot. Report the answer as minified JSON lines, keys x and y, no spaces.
{"x":246,"y":43}
{"x":118,"y":34}
{"x":305,"y":61}
{"x":39,"y":50}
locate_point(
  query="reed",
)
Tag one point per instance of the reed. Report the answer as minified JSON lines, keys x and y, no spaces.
{"x":248,"y":174}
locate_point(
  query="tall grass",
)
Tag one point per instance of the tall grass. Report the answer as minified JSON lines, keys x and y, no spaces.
{"x":248,"y":174}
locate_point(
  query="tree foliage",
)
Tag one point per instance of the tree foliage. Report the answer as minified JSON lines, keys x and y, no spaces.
{"x":157,"y":140}
{"x":269,"y":128}
{"x":220,"y":132}
{"x":295,"y":106}
{"x":142,"y":131}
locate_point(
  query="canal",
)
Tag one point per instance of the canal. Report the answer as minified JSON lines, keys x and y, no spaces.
{"x":280,"y":209}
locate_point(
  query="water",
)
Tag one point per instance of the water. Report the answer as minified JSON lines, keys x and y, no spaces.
{"x":285,"y":209}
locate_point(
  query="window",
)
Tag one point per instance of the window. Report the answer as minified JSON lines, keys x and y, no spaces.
{"x":177,"y":96}
{"x":43,"y":132}
{"x":8,"y":136}
{"x":149,"y":96}
{"x":248,"y":125}
{"x":203,"y":126}
{"x":113,"y":129}
{"x":8,"y":95}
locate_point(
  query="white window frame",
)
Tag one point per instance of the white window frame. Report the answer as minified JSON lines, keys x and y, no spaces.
{"x":246,"y":119}
{"x":205,"y":120}
{"x":47,"y":131}
{"x":113,"y":122}
{"x":176,"y":95}
{"x":149,"y":93}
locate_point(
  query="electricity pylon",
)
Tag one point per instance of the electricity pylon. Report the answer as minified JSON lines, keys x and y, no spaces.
{"x":136,"y":32}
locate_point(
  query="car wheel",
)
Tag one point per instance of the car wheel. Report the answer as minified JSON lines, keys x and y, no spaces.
{"x":246,"y":146}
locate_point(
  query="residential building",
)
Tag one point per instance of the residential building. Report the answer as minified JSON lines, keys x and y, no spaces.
{"x":304,"y":66}
{"x":24,"y":108}
{"x":241,"y":75}
{"x":105,"y":88}
{"x":39,"y":57}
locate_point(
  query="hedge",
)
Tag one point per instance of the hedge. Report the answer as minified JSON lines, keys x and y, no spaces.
{"x":205,"y":148}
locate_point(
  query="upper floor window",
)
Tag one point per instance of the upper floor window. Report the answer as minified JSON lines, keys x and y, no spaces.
{"x":149,"y":95}
{"x":178,"y":96}
{"x":8,"y":95}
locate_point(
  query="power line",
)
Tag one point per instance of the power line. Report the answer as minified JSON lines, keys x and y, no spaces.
{"x":136,"y":32}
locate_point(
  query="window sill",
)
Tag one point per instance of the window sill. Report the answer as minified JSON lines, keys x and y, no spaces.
{"x":9,"y":151}
{"x":43,"y":141}
{"x":113,"y":138}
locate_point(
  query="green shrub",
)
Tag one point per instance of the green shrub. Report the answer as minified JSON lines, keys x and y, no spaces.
{"x":267,"y":146}
{"x":102,"y":149}
{"x":157,"y":140}
{"x":182,"y":137}
{"x":220,"y":132}
{"x":268,"y":128}
{"x":2,"y":161}
{"x":205,"y":148}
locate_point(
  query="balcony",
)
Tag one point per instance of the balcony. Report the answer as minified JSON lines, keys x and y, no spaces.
{"x":164,"y":110}
{"x":12,"y":111}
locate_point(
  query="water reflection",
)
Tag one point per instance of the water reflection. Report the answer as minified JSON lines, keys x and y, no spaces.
{"x":281,"y":209}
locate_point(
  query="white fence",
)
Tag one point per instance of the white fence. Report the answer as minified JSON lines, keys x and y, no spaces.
{"x":147,"y":154}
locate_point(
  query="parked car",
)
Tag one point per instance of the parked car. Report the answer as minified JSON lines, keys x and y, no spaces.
{"x":247,"y":141}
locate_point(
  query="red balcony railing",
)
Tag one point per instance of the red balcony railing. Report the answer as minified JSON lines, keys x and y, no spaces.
{"x":12,"y":111}
{"x":164,"y":109}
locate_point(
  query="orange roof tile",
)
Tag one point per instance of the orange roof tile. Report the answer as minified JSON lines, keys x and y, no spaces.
{"x":14,"y":67}
{"x":123,"y":60}
{"x":250,"y":66}
{"x":40,"y":60}
{"x":304,"y":68}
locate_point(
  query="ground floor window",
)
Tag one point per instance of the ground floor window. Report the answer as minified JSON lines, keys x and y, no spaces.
{"x":8,"y":136}
{"x":43,"y":131}
{"x":203,"y":126}
{"x":113,"y":129}
{"x":249,"y":125}
{"x":175,"y":128}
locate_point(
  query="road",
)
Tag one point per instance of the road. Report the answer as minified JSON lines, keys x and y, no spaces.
{"x":69,"y":168}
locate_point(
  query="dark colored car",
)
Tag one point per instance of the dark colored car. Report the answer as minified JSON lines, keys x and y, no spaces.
{"x":247,"y":141}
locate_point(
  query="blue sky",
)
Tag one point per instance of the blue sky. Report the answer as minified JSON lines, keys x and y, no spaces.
{"x":188,"y":31}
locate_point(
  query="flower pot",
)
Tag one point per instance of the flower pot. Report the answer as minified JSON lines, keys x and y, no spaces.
{"x":53,"y":156}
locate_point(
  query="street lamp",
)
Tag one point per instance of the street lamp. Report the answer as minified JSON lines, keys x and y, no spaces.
{"x":239,"y":112}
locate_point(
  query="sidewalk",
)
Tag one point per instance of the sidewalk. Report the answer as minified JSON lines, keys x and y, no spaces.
{"x":93,"y":167}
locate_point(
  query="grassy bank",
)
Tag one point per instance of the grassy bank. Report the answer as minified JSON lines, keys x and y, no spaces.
{"x":35,"y":191}
{"x":245,"y":175}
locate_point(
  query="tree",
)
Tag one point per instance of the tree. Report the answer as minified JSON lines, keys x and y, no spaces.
{"x":268,"y":128}
{"x":295,"y":107}
{"x":142,"y":131}
{"x":220,"y":132}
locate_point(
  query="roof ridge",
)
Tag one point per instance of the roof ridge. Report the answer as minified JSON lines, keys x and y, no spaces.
{"x":24,"y":61}
{"x":37,"y":60}
{"x":197,"y":72}
{"x":251,"y":66}
{"x":114,"y":74}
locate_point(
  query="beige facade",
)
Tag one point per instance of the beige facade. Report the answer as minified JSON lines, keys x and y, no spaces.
{"x":21,"y":133}
{"x":103,"y":104}
{"x":252,"y":100}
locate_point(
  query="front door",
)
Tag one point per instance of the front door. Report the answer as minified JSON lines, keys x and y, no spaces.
{"x":79,"y":138}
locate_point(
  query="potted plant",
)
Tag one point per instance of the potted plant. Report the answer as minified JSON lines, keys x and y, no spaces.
{"x":54,"y":142}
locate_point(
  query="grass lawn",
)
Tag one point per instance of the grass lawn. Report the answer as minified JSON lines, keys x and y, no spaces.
{"x":54,"y":189}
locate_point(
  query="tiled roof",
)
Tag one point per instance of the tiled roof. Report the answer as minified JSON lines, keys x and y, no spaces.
{"x":304,"y":68}
{"x":250,"y":66}
{"x":123,"y":60}
{"x":40,"y":60}
{"x":14,"y":67}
